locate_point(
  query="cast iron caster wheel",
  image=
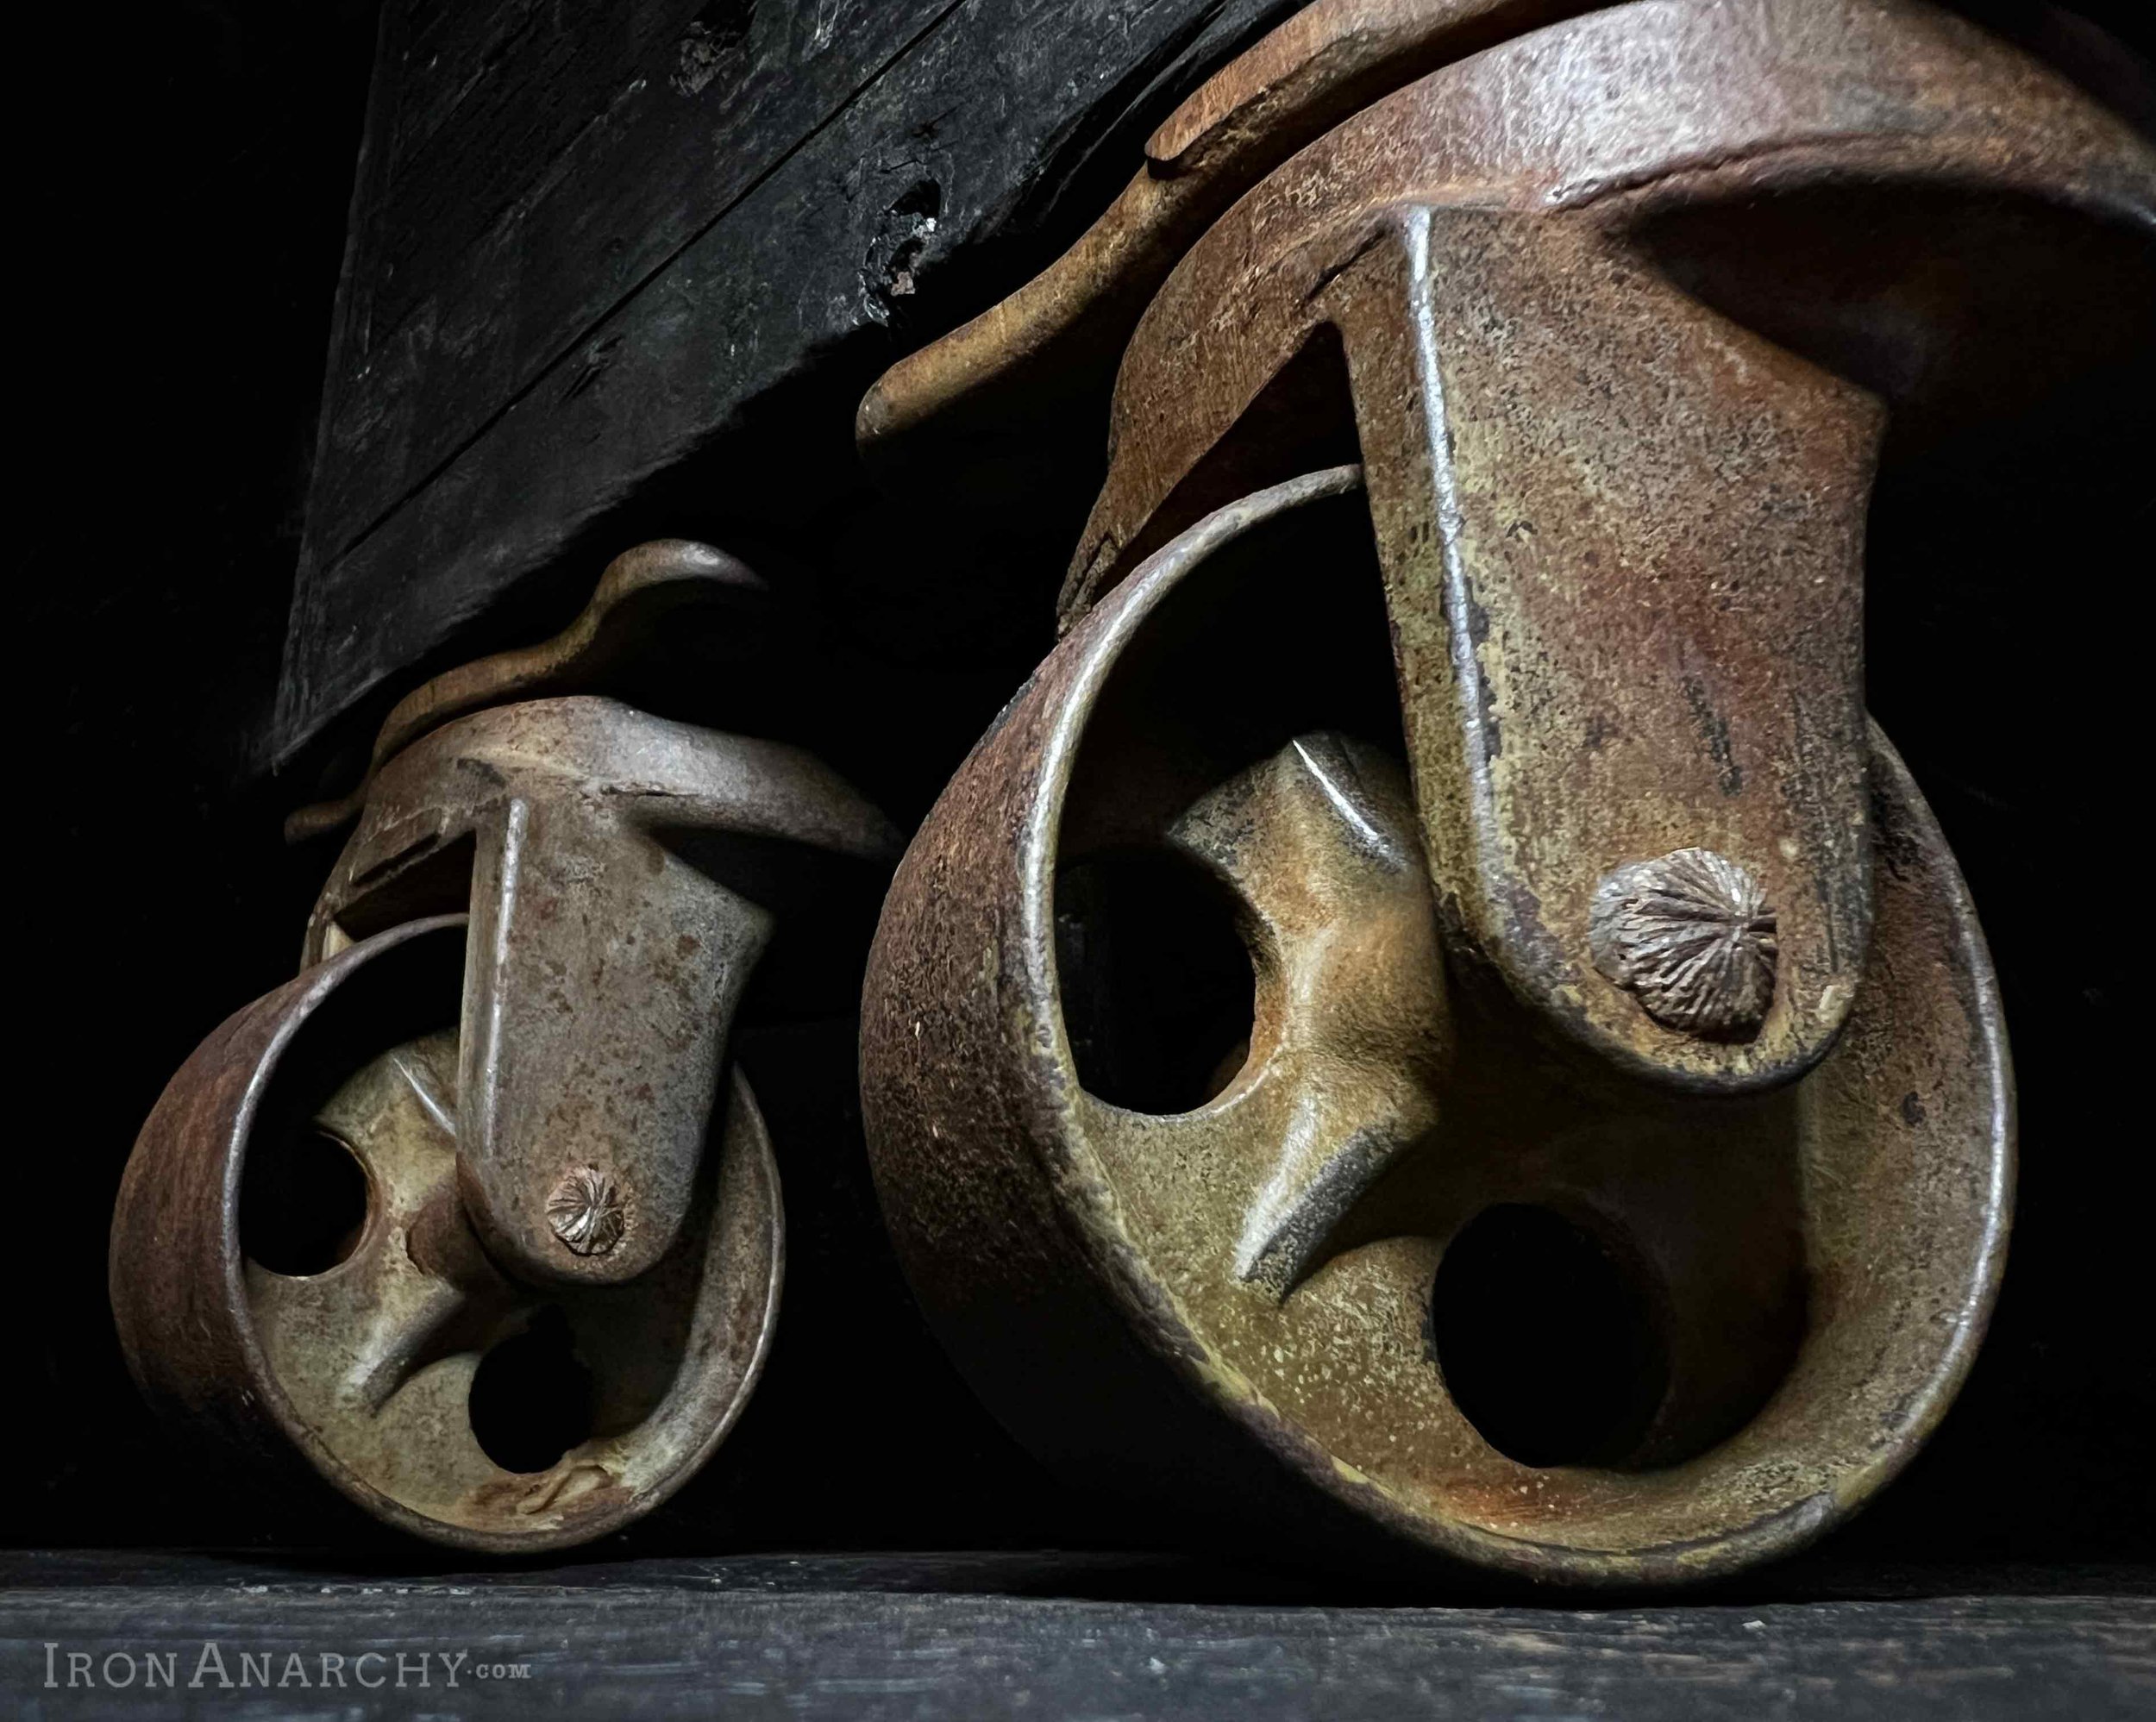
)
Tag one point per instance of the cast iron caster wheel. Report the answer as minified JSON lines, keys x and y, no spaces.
{"x":293,"y":1269}
{"x":1230,"y":1181}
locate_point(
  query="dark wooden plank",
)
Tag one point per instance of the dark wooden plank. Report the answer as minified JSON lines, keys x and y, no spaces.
{"x":869,"y":1639}
{"x":513,"y":141}
{"x":520,"y":205}
{"x":351,"y":311}
{"x":960,"y":149}
{"x":447,"y":52}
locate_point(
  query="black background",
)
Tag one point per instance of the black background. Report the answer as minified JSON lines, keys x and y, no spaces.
{"x":187,"y":187}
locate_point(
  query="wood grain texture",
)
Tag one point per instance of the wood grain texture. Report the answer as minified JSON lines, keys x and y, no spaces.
{"x":586,"y":261}
{"x":995,"y":1636}
{"x":537,"y":171}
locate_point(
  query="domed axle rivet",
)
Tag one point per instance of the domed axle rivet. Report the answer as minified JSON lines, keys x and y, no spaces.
{"x":586,"y":1211}
{"x":1691,"y":936}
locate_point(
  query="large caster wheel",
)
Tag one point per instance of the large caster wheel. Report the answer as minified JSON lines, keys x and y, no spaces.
{"x":1528,"y":1091}
{"x":293,"y":1267}
{"x":1232,"y":1186}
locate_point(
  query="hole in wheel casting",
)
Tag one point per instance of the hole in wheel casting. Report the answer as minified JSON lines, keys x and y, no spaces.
{"x":1157,"y":989}
{"x":303,"y":1204}
{"x":531,"y":1398}
{"x":1545,"y":1343}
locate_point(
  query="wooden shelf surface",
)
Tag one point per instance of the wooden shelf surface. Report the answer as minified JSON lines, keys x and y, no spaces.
{"x":1055,"y":1635}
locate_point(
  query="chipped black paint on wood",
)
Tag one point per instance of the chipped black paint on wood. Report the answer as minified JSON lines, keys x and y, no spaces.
{"x":587,"y":244}
{"x":992,"y":1636}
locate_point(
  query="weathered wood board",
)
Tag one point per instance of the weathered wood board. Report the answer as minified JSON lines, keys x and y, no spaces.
{"x":588,"y":242}
{"x":869,"y":1638}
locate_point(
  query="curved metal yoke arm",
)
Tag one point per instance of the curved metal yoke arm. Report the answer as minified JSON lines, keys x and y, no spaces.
{"x":952,"y":414}
{"x":1621,"y":535}
{"x":642,"y":590}
{"x":605,"y":958}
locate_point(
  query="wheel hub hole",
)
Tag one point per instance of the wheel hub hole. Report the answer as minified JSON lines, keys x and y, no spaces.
{"x":1544,"y":1340}
{"x":303,"y":1204}
{"x":1158,"y":993}
{"x":532,"y":1397}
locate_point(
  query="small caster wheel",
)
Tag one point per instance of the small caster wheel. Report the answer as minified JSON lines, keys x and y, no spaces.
{"x":293,"y":1263}
{"x":472,"y":1219}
